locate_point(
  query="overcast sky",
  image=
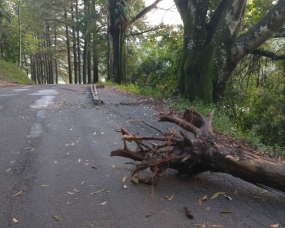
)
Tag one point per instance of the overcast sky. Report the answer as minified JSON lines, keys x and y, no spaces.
{"x":166,"y":13}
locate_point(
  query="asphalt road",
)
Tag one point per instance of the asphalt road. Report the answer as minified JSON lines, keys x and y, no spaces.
{"x":54,"y":153}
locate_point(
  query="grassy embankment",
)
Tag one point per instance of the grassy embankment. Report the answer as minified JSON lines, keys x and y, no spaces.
{"x":11,"y":73}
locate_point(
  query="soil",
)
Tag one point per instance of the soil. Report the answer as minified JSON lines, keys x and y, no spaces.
{"x":5,"y":84}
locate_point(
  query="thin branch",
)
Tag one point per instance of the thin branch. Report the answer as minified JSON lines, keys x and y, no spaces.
{"x":268,"y":54}
{"x":144,"y":11}
{"x":152,"y":127}
{"x":140,"y":33}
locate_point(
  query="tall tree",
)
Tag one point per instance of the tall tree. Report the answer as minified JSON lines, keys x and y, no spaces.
{"x":4,"y":15}
{"x":20,"y":34}
{"x":212,"y":44}
{"x":119,"y":23}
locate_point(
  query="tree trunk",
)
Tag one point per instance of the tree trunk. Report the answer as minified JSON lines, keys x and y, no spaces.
{"x":206,"y":152}
{"x":20,"y":35}
{"x":212,"y":49}
{"x":78,"y":46}
{"x":118,"y":27}
{"x":68,"y":49}
{"x":85,"y":58}
{"x":74,"y":46}
{"x":1,"y":42}
{"x":55,"y":59}
{"x":118,"y":33}
{"x":95,"y":59}
{"x":109,"y":57}
{"x":89,"y":64}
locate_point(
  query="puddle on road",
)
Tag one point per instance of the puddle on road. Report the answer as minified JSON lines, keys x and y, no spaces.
{"x":43,"y":102}
{"x":47,"y":92}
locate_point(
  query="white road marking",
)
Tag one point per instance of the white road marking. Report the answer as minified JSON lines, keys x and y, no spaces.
{"x":43,"y":102}
{"x":35,"y":131}
{"x":48,"y":97}
{"x":47,"y":92}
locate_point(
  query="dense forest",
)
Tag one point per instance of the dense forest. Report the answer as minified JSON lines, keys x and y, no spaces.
{"x":227,"y":52}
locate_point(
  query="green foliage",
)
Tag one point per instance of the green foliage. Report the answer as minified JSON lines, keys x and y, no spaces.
{"x":11,"y":73}
{"x":158,"y":62}
{"x":255,"y":102}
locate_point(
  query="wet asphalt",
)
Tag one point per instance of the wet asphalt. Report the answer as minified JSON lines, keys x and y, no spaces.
{"x":56,"y":169}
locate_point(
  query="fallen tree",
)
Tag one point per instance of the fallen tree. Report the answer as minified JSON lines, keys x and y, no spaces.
{"x":204,"y":152}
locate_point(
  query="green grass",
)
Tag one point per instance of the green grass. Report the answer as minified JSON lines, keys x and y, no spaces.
{"x":11,"y":73}
{"x":222,"y":123}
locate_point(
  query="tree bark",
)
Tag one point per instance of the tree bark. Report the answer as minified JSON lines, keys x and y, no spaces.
{"x":74,"y":46}
{"x":68,"y":49}
{"x":78,"y":46}
{"x":20,"y":35}
{"x":205,"y":152}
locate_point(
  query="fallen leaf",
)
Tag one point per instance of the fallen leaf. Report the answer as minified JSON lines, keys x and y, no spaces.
{"x":57,"y":218}
{"x":108,"y":191}
{"x":188,"y":213}
{"x":213,"y":225}
{"x":135,"y":180}
{"x":102,"y":204}
{"x":97,"y":191}
{"x":196,"y":224}
{"x":70,"y":193}
{"x":230,"y":198}
{"x":16,"y":194}
{"x":217,"y":194}
{"x":12,"y":162}
{"x":148,"y":215}
{"x":93,"y":167}
{"x":79,"y":160}
{"x":86,"y":164}
{"x":207,"y":208}
{"x":8,"y":170}
{"x":82,"y":183}
{"x":204,"y":198}
{"x":145,"y":188}
{"x":82,"y":150}
{"x":15,"y":220}
{"x":44,"y":185}
{"x":169,"y":198}
{"x":125,"y":178}
{"x":225,"y":211}
{"x":199,"y":201}
{"x":125,"y":186}
{"x":274,"y":225}
{"x":76,"y":190}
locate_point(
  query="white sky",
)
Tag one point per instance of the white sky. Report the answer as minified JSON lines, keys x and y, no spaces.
{"x":167,"y":13}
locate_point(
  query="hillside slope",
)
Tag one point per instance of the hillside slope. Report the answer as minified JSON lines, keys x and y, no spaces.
{"x":12,"y":74}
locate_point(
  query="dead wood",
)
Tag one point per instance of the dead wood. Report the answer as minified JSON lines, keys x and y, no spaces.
{"x":203,"y":152}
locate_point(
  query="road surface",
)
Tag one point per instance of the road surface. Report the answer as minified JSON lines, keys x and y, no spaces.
{"x":55,"y":169}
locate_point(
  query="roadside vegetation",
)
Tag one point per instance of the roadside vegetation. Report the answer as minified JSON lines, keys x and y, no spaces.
{"x":11,"y":73}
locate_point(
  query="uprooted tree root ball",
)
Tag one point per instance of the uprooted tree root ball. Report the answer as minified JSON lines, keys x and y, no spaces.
{"x":204,"y":152}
